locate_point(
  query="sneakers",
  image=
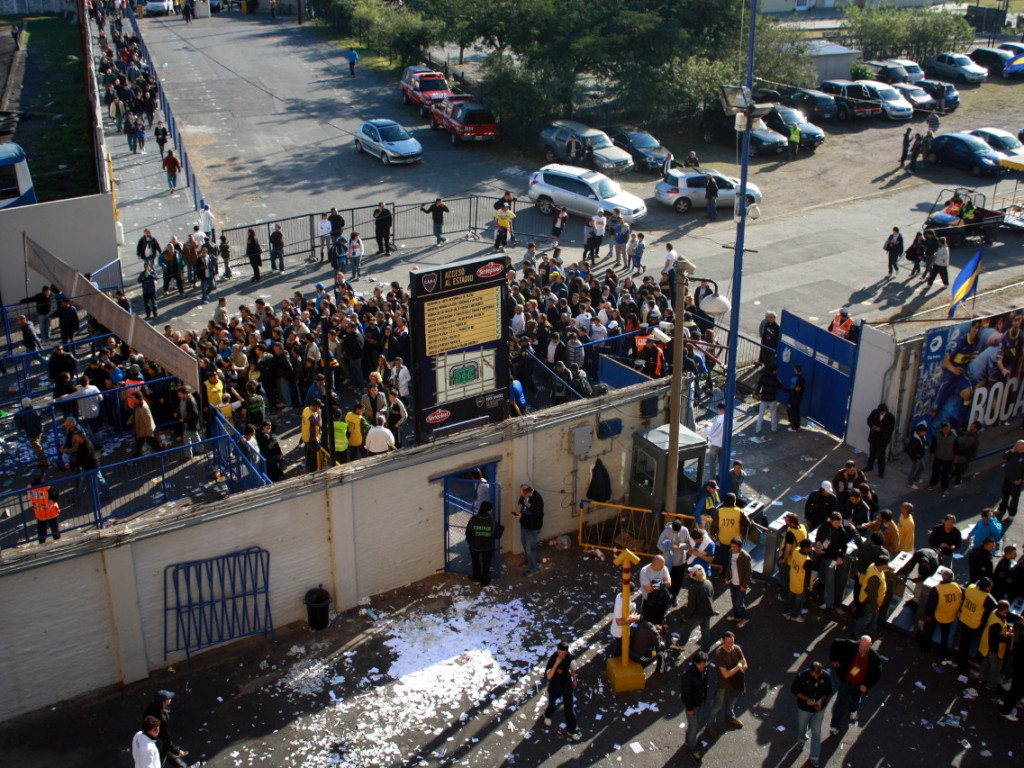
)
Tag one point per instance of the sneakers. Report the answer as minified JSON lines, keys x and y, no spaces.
{"x":712,"y":733}
{"x":1011,"y":715}
{"x":576,"y":735}
{"x":853,"y":718}
{"x":743,"y":623}
{"x":833,"y":731}
{"x":815,"y":762}
{"x":735,"y":723}
{"x":797,"y":619}
{"x":547,"y":722}
{"x":800,"y":745}
{"x":697,"y":756}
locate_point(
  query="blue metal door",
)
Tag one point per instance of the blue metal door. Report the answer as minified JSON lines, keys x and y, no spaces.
{"x":460,"y":495}
{"x":829,"y":363}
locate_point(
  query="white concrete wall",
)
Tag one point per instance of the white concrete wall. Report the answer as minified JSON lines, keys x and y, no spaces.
{"x":95,"y":611}
{"x":79,"y":231}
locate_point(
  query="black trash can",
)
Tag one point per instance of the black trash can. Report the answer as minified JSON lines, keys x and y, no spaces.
{"x":318,"y":608}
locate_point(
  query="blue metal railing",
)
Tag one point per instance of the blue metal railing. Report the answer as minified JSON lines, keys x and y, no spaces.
{"x":12,"y":331}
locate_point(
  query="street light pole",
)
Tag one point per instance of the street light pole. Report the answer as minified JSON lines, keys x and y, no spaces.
{"x":737,"y":266}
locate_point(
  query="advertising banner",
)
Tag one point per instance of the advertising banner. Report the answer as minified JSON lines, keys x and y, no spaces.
{"x":971,"y":372}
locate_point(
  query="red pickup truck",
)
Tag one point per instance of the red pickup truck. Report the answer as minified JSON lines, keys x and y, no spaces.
{"x":423,"y":86}
{"x":463,"y":119}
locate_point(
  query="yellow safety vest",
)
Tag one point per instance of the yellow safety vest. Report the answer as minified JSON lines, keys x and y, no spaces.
{"x":799,"y":534}
{"x":973,"y":609}
{"x":872,"y":572}
{"x":950,"y":597}
{"x":729,"y":523}
{"x":797,"y":577}
{"x":983,"y":645}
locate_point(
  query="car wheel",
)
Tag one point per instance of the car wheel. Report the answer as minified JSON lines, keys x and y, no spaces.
{"x":454,"y":139}
{"x":844,"y":112}
{"x":423,"y":111}
{"x":962,"y":79}
{"x":549,"y":154}
{"x":405,"y":98}
{"x":546,"y":206}
{"x":384,"y":159}
{"x":753,"y":150}
{"x":709,"y":136}
{"x":750,"y":200}
{"x":933,"y":159}
{"x":681,"y":205}
{"x":976,"y":170}
{"x":359,"y":146}
{"x":433,"y":124}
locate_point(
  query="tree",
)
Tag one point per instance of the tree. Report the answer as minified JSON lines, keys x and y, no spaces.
{"x":781,"y":55}
{"x":885,"y":32}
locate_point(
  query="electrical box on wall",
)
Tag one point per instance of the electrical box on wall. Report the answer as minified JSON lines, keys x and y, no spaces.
{"x":649,"y":408}
{"x":609,"y":428}
{"x":582,"y":439}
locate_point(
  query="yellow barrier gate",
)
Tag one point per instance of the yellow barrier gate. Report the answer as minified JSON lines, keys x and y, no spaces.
{"x":617,"y":527}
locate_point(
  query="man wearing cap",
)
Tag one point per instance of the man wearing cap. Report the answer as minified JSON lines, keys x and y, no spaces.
{"x":145,"y":749}
{"x":160,"y":708}
{"x":819,"y":505}
{"x":561,"y":679}
{"x":31,"y":425}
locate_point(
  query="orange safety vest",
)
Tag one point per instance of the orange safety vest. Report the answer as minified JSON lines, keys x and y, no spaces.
{"x":42,"y":505}
{"x":842,"y":327}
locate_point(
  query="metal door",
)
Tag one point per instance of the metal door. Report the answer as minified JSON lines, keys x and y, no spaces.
{"x":460,"y":493}
{"x":829,"y":364}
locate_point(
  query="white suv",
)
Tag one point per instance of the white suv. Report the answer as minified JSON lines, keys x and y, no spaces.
{"x":583,"y":192}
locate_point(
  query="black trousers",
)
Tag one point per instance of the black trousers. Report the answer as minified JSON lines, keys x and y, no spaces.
{"x":876,"y":452}
{"x":53,"y":524}
{"x":383,"y":238}
{"x":793,"y":412}
{"x":482,"y":565}
{"x":1009,"y":500}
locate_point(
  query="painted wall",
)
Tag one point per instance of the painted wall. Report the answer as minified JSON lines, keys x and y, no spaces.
{"x":94,"y":609}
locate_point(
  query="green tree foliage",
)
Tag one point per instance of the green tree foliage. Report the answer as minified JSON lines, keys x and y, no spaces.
{"x":884,"y":32}
{"x":520,"y":97}
{"x":781,"y":55}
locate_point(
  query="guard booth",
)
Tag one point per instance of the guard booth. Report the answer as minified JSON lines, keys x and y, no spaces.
{"x":649,"y":475}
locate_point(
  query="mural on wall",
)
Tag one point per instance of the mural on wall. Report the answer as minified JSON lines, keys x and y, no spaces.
{"x":970,"y":372}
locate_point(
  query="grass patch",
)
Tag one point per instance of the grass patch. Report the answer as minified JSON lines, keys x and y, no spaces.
{"x":54,"y":130}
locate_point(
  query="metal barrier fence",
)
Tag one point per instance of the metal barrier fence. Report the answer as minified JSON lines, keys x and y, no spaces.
{"x":109,"y":425}
{"x":246,"y":469}
{"x":187,"y":170}
{"x":9,"y":316}
{"x":616,"y":526}
{"x":202,"y":471}
{"x":468,"y":216}
{"x":27,"y":374}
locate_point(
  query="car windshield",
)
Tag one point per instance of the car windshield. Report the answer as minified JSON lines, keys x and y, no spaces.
{"x":643,"y":141}
{"x":433,"y":85}
{"x":599,"y":141}
{"x":977,"y":146}
{"x":915,"y":93}
{"x":790,"y":116}
{"x":759,"y":125}
{"x":823,"y":101}
{"x":888,"y":94}
{"x":1004,"y":142}
{"x":393,"y":133}
{"x":950,"y":89}
{"x":913,"y":70}
{"x":961,"y":60}
{"x":607,"y":189}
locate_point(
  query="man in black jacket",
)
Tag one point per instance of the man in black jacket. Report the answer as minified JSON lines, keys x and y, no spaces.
{"x":148,"y":248}
{"x":482,"y":533}
{"x":382,"y":228}
{"x":160,"y":708}
{"x":531,"y":518}
{"x":881,"y":424}
{"x":831,"y":540}
{"x":812,"y":688}
{"x":857,"y":667}
{"x":1013,"y":479}
{"x":694,"y":695}
{"x":946,"y":539}
{"x":767,"y":396}
{"x":820,"y":505}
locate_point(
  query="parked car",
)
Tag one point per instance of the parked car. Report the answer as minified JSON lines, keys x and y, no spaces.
{"x":646,"y":151}
{"x":852,"y":99}
{"x":963,"y":150}
{"x":215,"y":6}
{"x":422,"y":86}
{"x":389,"y":141}
{"x":916,"y":96}
{"x":719,"y":126}
{"x":463,"y":119}
{"x":888,"y":72}
{"x":937,"y":88}
{"x":583,"y":192}
{"x":1001,"y":141}
{"x":782,"y":118}
{"x":956,"y":67}
{"x":817,"y":105}
{"x":894,"y":106}
{"x":554,"y":143}
{"x":994,"y":60}
{"x":912,"y":68}
{"x":158,"y":8}
{"x":684,"y":188}
{"x":1015,"y":48}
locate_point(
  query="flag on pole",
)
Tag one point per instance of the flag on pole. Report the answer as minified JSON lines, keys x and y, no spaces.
{"x":966,"y":282}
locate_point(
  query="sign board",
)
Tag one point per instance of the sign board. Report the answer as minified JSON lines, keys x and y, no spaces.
{"x":460,"y":346}
{"x":970,"y":372}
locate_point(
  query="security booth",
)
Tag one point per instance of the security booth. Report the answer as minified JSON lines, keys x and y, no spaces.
{"x":649,"y":475}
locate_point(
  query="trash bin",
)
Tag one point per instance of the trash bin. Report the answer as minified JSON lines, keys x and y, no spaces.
{"x":318,"y":608}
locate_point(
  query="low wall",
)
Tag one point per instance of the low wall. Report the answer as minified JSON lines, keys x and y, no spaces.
{"x":94,"y":608}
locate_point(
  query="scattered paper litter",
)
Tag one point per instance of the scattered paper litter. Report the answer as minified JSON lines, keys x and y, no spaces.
{"x":641,"y":706}
{"x":921,"y":685}
{"x":962,"y":679}
{"x":637,"y":747}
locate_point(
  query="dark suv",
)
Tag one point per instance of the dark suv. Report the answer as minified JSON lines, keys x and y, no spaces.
{"x":815,"y":104}
{"x":719,"y":126}
{"x":888,"y":72}
{"x":992,"y":59}
{"x":852,"y":99}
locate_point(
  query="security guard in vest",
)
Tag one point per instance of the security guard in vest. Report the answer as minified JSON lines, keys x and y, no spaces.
{"x":795,"y":533}
{"x":993,"y":646}
{"x":842,"y":324}
{"x":482,"y":533}
{"x":872,"y":597}
{"x":942,"y":608}
{"x":978,"y":603}
{"x":45,"y":507}
{"x":794,"y":140}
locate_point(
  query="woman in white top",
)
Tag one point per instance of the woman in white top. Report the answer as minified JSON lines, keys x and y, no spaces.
{"x":940,"y":265}
{"x":355,"y":253}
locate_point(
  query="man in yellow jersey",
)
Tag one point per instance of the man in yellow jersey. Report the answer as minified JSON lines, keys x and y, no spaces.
{"x":872,"y":595}
{"x":503,"y":226}
{"x":795,"y":533}
{"x":977,"y":604}
{"x":941,"y":610}
{"x":727,"y":524}
{"x":802,"y":563}
{"x":906,"y":526}
{"x":992,"y":647}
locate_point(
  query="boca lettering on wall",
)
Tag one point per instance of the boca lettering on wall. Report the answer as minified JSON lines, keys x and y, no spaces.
{"x":971,"y":372}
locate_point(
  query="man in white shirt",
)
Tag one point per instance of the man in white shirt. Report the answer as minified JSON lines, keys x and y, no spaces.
{"x":518,"y":321}
{"x":715,"y":432}
{"x":584,"y":317}
{"x":401,"y":378}
{"x":600,"y":225}
{"x":615,"y":649}
{"x":656,"y":569}
{"x":89,"y":400}
{"x":144,"y":749}
{"x":379,"y":439}
{"x":323,"y":229}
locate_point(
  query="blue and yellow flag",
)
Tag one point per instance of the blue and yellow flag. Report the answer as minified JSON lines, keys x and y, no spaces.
{"x":1014,"y":65}
{"x":966,"y":282}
